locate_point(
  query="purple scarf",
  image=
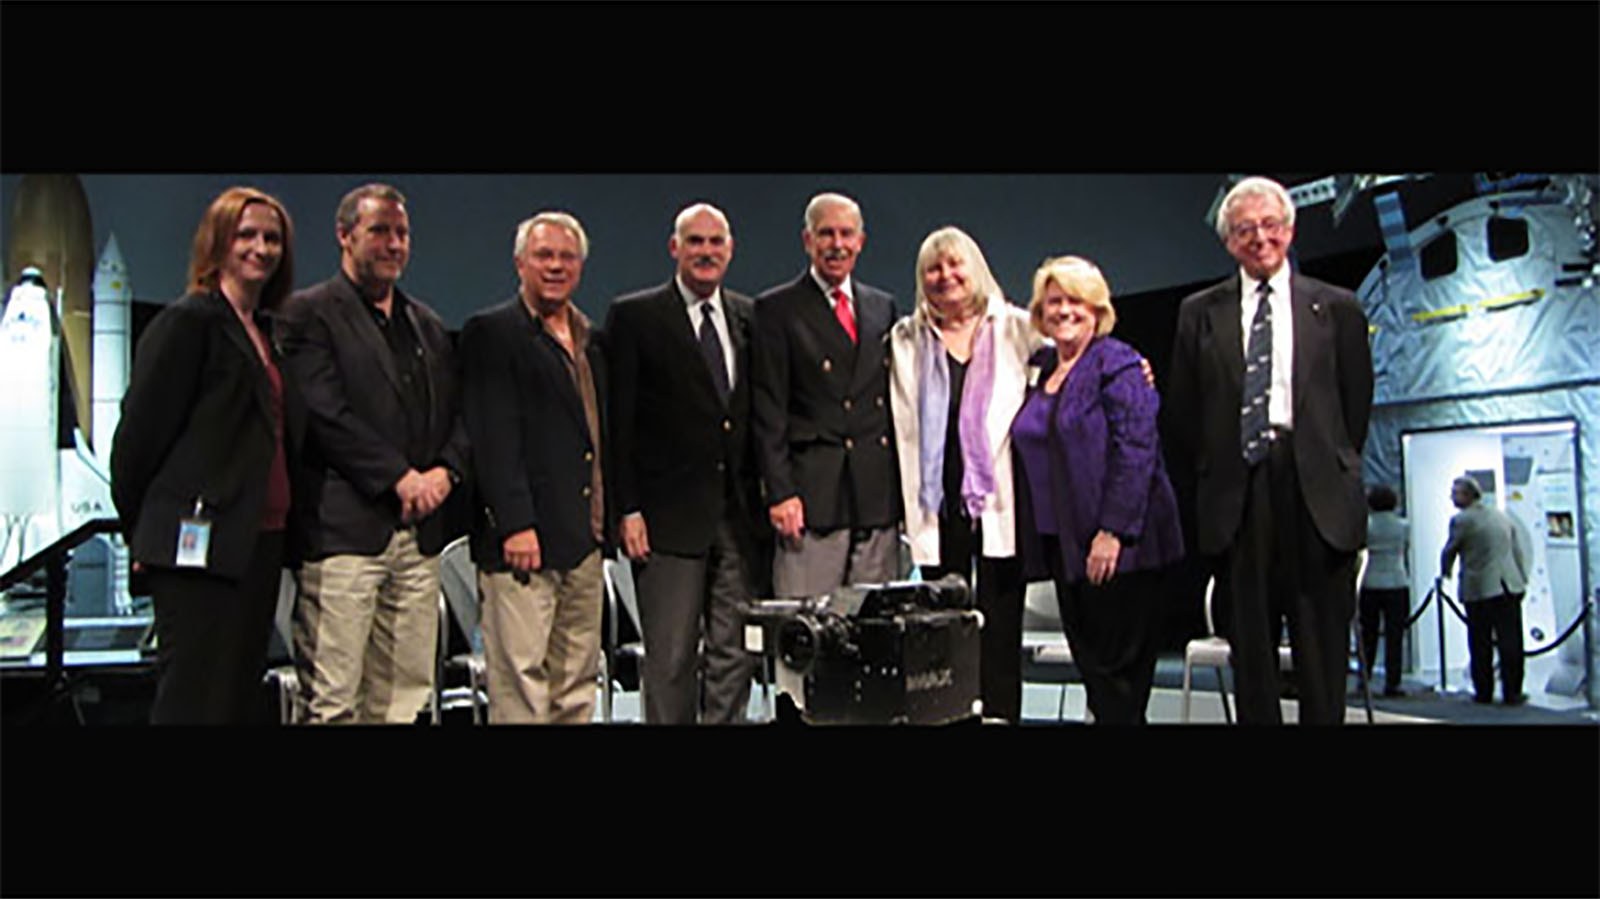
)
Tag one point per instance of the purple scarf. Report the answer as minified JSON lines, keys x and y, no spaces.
{"x":933,"y":406}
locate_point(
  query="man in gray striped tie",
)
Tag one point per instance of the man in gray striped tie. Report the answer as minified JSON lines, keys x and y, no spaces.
{"x":1270,"y":393}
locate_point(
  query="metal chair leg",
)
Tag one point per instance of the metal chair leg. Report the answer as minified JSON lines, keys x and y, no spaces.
{"x":1222,"y":687}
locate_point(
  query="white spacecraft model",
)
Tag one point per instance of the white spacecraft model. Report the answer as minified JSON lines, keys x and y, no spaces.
{"x":47,"y":490}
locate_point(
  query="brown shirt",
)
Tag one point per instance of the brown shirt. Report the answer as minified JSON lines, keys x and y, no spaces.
{"x":583,"y":380}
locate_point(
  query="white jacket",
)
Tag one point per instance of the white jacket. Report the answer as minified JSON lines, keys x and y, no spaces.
{"x":1015,"y":342}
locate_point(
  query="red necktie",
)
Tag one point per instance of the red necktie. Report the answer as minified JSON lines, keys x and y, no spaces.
{"x":841,"y":310}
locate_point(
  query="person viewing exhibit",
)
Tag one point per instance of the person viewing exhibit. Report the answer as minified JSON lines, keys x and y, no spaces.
{"x":1496,"y":560}
{"x":1385,"y":590}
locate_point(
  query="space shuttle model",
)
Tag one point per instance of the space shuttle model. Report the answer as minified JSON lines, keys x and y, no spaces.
{"x":66,"y":325}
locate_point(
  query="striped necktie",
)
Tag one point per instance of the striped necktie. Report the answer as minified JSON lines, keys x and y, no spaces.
{"x":1254,"y":426}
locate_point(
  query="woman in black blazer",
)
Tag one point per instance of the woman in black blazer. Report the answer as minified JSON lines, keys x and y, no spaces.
{"x":200,"y":463}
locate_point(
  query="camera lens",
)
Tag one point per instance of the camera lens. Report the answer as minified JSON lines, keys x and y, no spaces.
{"x":798,"y":640}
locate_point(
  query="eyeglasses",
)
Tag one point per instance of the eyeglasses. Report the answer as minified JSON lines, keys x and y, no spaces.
{"x":1267,"y":227}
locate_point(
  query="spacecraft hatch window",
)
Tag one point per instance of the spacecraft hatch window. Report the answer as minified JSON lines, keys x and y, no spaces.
{"x":1508,"y":238}
{"x":1438,"y":257}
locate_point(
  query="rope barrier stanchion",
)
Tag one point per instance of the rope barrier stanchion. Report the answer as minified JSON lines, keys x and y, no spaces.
{"x":1460,"y":613}
{"x":1444,"y":669}
{"x":1589,"y":690}
{"x":1418,"y":613}
{"x":1572,"y":628}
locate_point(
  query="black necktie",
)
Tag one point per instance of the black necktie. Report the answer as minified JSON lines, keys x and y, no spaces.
{"x":1253,"y":421}
{"x":711,"y":348}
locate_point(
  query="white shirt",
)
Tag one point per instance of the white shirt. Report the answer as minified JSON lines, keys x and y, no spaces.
{"x":1280,"y":396}
{"x":719,"y":320}
{"x":846,"y":286}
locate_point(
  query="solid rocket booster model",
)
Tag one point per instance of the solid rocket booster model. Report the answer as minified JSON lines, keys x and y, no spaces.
{"x":50,"y":231}
{"x":113,"y":302}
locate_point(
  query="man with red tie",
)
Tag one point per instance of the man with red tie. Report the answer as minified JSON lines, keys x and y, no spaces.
{"x":821,"y":414}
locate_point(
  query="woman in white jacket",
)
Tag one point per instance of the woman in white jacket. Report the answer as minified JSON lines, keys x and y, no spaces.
{"x":958,"y":375}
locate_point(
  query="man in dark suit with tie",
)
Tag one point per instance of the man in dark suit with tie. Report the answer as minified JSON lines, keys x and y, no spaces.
{"x":386,"y":448}
{"x":682,"y":478}
{"x":821,"y":414}
{"x":533,"y":399}
{"x":1270,"y":393}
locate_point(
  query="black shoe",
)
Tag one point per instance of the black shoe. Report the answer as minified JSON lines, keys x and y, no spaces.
{"x":1393,"y":692}
{"x":1483,"y":700}
{"x":1519,"y":699}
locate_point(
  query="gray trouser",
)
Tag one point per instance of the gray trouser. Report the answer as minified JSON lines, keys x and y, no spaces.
{"x":824,"y":561}
{"x":683,"y":599}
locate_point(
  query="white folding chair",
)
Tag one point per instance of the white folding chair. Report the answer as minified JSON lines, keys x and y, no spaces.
{"x":285,"y":679}
{"x":1210,"y":651}
{"x":1043,"y":641}
{"x":620,"y":599}
{"x":458,"y":601}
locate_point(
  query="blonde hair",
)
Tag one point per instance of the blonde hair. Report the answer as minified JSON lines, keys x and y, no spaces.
{"x":559,"y":219}
{"x":957,"y":242}
{"x":1080,"y":279}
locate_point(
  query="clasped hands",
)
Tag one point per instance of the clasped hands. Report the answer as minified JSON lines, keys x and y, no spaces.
{"x":422,"y":493}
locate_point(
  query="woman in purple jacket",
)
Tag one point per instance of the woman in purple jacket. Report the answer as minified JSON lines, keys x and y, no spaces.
{"x":1105,"y":520}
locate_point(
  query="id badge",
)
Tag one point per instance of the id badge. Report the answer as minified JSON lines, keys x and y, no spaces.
{"x":194,"y":539}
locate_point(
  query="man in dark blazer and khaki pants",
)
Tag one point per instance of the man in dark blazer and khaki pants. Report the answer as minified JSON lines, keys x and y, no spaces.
{"x":533,"y":395}
{"x":386,"y":448}
{"x":1270,"y":393}
{"x":821,"y":414}
{"x":683,"y":478}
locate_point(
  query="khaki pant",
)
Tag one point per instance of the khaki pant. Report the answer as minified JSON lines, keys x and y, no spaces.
{"x":366,"y":634}
{"x":541,"y":644}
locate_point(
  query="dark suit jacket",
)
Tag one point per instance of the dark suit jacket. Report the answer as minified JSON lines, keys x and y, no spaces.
{"x":1332,"y":388}
{"x":680,"y":456}
{"x":531,"y":450}
{"x":197,"y":422}
{"x":357,"y":446}
{"x":821,"y":406}
{"x":1103,"y":468}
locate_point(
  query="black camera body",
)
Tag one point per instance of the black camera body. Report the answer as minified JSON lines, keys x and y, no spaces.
{"x":899,"y":653}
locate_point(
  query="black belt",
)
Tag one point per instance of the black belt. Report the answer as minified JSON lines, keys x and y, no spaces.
{"x":1278,"y":432}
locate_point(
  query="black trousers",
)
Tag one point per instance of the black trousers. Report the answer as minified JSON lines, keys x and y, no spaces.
{"x":1280,"y":571}
{"x":1112,"y":631}
{"x":211,"y":635}
{"x":999,"y":590}
{"x":1393,"y":606}
{"x":1495,"y":623}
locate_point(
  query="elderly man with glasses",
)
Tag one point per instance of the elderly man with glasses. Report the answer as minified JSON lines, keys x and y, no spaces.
{"x":1269,"y":396}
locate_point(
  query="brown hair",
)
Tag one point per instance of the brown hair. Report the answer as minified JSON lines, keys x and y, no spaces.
{"x":349,"y":211}
{"x":214,"y":238}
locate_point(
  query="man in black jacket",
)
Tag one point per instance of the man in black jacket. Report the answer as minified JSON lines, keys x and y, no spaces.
{"x":678,"y":359}
{"x":386,"y":448}
{"x":1271,"y":391}
{"x":821,"y":414}
{"x":534,"y":386}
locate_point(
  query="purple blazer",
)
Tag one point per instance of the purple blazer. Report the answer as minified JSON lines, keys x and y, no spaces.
{"x":1097,"y":465}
